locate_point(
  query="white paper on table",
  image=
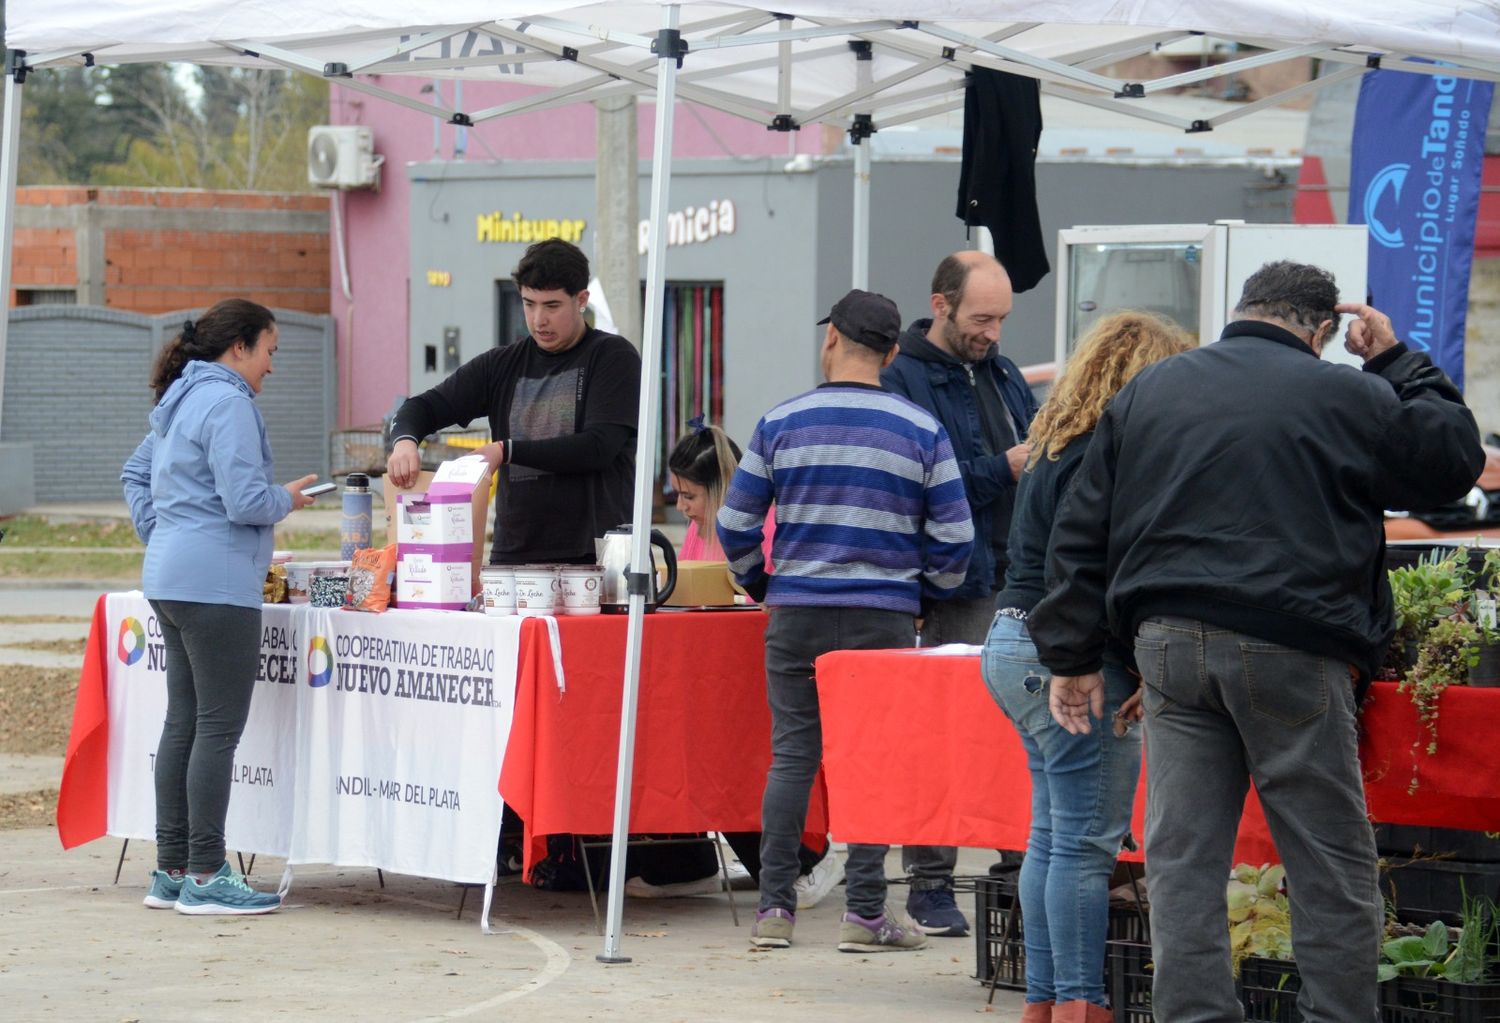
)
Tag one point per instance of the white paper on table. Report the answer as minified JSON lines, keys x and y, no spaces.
{"x":953,"y":650}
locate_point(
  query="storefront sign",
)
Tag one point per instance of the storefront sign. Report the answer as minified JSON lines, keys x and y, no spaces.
{"x":694,"y":225}
{"x":515,"y":227}
{"x":439,"y":278}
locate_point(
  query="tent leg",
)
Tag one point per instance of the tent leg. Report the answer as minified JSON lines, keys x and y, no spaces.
{"x":10,"y":142}
{"x":860,"y":135}
{"x":861,"y":276}
{"x":645,"y":469}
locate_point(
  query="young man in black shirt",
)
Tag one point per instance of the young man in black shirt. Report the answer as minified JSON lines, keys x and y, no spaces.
{"x":562,"y":406}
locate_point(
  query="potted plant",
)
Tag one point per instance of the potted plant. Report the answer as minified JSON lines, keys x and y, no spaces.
{"x":1445,"y":632}
{"x":1442,"y":972}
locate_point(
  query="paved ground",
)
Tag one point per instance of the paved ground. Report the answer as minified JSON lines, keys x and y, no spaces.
{"x":74,"y":946}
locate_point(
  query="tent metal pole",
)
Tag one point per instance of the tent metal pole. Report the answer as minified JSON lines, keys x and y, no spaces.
{"x":861,"y":135}
{"x":861,"y":276}
{"x":10,"y":141}
{"x":645,"y":467}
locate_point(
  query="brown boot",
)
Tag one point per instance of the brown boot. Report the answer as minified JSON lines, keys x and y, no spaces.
{"x":1081,"y":1011}
{"x":1037,"y":1012}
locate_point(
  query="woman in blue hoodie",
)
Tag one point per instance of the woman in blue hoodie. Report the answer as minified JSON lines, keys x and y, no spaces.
{"x":203,"y":500}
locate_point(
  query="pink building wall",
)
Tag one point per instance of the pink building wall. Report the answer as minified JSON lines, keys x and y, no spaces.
{"x":372,"y":326}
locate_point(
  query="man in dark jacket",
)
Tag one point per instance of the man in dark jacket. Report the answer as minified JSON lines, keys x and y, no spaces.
{"x":1227,"y":520}
{"x":952,"y":367}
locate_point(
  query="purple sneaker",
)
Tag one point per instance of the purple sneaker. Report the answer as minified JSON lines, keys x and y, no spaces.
{"x":885,"y":933}
{"x":773,"y":928}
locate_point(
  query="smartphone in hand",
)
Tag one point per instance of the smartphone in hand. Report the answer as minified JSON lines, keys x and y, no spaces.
{"x":319,"y":488}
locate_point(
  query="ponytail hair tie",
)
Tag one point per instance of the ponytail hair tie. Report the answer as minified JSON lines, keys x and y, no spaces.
{"x":189,"y":331}
{"x":696,"y":423}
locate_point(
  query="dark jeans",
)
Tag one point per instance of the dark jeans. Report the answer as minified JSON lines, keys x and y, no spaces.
{"x":795,"y":638}
{"x":746,"y":845}
{"x":1223,"y":708}
{"x":947,"y":621}
{"x":212,"y":653}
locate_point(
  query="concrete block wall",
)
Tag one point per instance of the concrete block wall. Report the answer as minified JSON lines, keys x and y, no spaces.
{"x":76,"y":390}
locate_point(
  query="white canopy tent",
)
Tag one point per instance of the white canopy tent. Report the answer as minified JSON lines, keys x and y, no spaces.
{"x":859,"y":64}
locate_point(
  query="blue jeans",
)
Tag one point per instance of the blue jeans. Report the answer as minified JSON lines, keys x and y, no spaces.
{"x":1082,"y":789}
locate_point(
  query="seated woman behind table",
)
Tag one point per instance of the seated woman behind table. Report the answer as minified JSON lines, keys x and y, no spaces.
{"x":700,"y":467}
{"x":1082,"y":786}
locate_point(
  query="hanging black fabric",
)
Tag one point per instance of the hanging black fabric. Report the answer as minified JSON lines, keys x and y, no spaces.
{"x":997,"y":185}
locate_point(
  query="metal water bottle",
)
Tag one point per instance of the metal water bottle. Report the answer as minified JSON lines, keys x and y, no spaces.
{"x":354,"y":527}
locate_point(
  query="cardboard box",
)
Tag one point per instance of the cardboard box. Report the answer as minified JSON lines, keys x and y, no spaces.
{"x":702,"y":584}
{"x":457,"y":479}
{"x":435,"y":577}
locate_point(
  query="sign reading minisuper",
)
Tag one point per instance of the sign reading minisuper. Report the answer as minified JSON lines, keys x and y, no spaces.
{"x":516,"y":227}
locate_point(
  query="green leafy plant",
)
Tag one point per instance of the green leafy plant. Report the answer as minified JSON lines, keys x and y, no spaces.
{"x":1436,"y":953}
{"x":1435,"y":603}
{"x":1260,"y":919}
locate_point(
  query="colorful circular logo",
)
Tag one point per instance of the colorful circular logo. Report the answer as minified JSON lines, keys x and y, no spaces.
{"x":132,"y":644}
{"x":319,"y":662}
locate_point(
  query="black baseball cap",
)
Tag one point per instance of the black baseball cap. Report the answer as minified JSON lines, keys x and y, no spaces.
{"x":868,"y":318}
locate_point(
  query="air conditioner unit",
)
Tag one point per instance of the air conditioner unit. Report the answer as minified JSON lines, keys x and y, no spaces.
{"x":342,"y":156}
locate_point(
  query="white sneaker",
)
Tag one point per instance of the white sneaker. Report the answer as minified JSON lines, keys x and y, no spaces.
{"x":813,"y":886}
{"x":639,"y":888}
{"x":739,"y":877}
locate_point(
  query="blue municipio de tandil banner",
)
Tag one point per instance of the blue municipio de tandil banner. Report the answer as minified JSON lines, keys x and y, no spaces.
{"x":1417,"y":154}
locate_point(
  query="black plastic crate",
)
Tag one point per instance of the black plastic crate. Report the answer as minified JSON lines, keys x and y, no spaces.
{"x":999,"y":946}
{"x":1268,"y":990}
{"x":999,"y":935}
{"x":1418,"y":840}
{"x":1267,"y":987}
{"x":1127,"y":966}
{"x":1424,"y":1000}
{"x":1437,"y":886}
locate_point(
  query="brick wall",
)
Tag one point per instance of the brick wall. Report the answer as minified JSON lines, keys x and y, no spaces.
{"x":163,"y":250}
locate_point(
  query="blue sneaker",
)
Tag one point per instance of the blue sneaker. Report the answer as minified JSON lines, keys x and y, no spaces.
{"x":164,"y":890}
{"x":936,"y":913}
{"x":224,"y":894}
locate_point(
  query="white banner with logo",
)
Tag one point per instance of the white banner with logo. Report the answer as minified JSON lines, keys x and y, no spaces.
{"x":261,"y":801}
{"x":402,"y":726}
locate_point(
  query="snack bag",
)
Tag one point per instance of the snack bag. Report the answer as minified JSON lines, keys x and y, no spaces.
{"x":273,"y":590}
{"x":371,"y":573}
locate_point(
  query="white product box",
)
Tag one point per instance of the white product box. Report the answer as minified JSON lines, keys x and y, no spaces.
{"x":434,"y":577}
{"x":433,"y":518}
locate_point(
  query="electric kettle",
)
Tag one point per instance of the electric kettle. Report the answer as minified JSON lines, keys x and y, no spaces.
{"x":614,"y":557}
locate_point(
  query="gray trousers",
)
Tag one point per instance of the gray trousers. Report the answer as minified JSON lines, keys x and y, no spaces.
{"x":1223,"y":708}
{"x":795,"y":638}
{"x":213,"y":653}
{"x":950,"y":621}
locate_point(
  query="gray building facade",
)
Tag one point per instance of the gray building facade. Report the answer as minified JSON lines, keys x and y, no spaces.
{"x":773,"y":239}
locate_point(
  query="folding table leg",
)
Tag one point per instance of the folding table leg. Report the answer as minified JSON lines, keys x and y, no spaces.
{"x":724,"y":873}
{"x":123,"y":846}
{"x":588,"y":877}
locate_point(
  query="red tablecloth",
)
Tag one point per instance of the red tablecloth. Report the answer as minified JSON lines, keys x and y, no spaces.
{"x":83,"y":797}
{"x":916,"y":751}
{"x":703,"y":737}
{"x":703,"y":729}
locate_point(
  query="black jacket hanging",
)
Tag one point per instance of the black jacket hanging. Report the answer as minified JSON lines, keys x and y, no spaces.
{"x":997,"y":184}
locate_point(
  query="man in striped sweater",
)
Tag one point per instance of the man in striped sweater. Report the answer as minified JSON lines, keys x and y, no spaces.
{"x":871,"y":517}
